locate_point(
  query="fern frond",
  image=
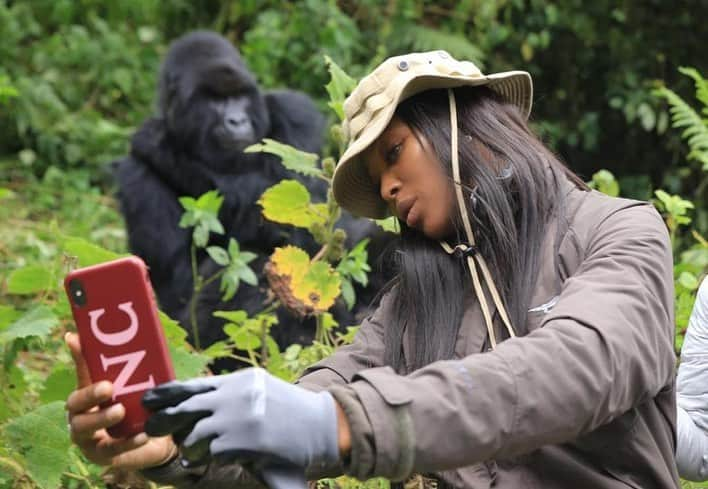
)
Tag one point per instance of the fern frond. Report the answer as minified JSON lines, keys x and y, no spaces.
{"x":696,"y":129}
{"x":701,"y":85}
{"x":422,"y":38}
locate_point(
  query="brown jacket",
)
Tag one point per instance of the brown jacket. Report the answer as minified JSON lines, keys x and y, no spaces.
{"x":584,"y":400}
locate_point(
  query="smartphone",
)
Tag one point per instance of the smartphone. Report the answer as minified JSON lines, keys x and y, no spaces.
{"x":120,"y":334}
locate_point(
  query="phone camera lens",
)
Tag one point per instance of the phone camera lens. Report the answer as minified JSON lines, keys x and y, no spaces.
{"x":77,"y":292}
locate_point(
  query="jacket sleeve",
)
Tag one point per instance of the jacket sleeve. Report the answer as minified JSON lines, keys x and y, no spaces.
{"x":692,"y":396}
{"x":605,"y":347}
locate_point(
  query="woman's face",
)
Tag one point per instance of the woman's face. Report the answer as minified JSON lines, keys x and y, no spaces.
{"x":411,"y":180}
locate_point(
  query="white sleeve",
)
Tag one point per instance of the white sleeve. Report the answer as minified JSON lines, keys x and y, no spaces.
{"x":692,"y":393}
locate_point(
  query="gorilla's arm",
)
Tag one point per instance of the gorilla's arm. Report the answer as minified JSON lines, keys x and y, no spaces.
{"x":154,"y":147}
{"x":295,"y":120}
{"x":152,"y":213}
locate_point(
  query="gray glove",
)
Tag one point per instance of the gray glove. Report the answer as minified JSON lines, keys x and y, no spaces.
{"x":248,"y":416}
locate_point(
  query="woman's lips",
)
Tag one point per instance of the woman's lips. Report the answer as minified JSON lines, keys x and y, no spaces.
{"x":413,"y":217}
{"x":404,"y":212}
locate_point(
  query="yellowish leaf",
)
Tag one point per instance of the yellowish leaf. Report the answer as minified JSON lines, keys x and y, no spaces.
{"x":304,"y":286}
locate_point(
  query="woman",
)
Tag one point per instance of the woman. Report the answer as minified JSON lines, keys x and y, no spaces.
{"x":527,"y":340}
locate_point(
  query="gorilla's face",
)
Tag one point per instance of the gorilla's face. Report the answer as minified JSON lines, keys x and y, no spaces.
{"x":233,"y":128}
{"x":210,"y":102}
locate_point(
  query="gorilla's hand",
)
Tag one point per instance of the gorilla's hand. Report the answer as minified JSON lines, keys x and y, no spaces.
{"x":249,"y":416}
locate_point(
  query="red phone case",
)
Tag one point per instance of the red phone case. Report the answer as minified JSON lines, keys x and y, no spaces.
{"x":120,"y":333}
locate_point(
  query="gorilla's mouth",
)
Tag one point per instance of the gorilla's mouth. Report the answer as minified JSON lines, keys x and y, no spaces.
{"x":230,"y":141}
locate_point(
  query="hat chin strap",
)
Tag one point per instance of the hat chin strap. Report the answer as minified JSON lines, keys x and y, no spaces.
{"x":469,"y":250}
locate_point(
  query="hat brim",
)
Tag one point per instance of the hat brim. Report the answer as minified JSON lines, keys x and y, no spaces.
{"x":351,"y":183}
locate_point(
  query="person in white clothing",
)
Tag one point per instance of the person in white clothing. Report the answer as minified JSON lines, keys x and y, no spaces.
{"x":692,"y":394}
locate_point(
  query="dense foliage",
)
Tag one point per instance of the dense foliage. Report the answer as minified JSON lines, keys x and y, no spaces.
{"x":617,"y":88}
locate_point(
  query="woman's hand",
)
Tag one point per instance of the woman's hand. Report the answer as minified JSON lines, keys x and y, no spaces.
{"x":250,"y":416}
{"x":88,"y":423}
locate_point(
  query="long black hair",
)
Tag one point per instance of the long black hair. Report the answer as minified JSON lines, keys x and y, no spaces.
{"x":511,"y":183}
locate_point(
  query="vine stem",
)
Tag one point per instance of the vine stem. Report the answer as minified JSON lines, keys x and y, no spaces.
{"x":213,"y":277}
{"x":199,"y":285}
{"x":264,"y":347}
{"x":13,"y":466}
{"x":320,"y":253}
{"x":196,"y":279}
{"x":240,"y":358}
{"x":319,"y":332}
{"x":79,"y":477}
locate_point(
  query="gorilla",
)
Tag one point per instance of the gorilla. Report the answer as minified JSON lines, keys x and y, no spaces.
{"x":209,"y":109}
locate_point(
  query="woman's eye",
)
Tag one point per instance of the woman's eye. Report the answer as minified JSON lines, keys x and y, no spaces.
{"x":392,"y":154}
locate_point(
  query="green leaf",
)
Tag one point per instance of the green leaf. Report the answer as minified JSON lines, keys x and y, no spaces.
{"x":348,"y":337}
{"x":338,"y":88}
{"x":688,"y":280}
{"x":175,"y":335}
{"x":355,"y":264}
{"x":188,"y":364}
{"x":235,"y":317}
{"x":247,"y":256}
{"x":273,"y":349}
{"x":41,"y":437}
{"x":647,"y":117}
{"x":14,"y":394}
{"x":293,"y":159}
{"x":701,"y":83}
{"x":230,"y":281}
{"x":323,"y":284}
{"x":605,"y":182}
{"x":219,"y":255}
{"x":328,"y":322}
{"x":348,"y":293}
{"x":698,"y":257}
{"x":246,"y":340}
{"x":673,"y":204}
{"x":684,"y":116}
{"x":292,"y":352}
{"x":8,"y":314}
{"x":6,"y":193}
{"x":389,"y":224}
{"x":248,"y":276}
{"x":234,"y":248}
{"x":188,"y":203}
{"x":238,"y":268}
{"x":59,"y":384}
{"x":203,"y":215}
{"x":30,"y":280}
{"x":38,"y":321}
{"x":663,"y":197}
{"x":212,"y":223}
{"x":201,"y":236}
{"x":217,"y":350}
{"x":288,"y":202}
{"x":209,"y":202}
{"x":88,"y":253}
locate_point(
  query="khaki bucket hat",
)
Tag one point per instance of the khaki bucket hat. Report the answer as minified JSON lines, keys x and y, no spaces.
{"x":371,"y":106}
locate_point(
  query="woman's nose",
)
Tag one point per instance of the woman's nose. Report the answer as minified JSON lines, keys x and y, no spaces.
{"x":389,"y":186}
